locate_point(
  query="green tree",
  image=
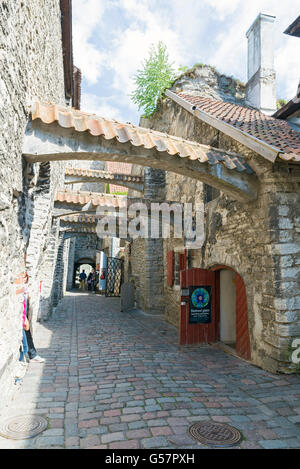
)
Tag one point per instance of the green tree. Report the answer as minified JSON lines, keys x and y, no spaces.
{"x":280,"y":103}
{"x":151,"y":81}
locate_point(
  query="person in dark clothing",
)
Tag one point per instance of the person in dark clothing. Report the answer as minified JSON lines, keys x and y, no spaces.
{"x":82,"y":278}
{"x":32,"y":353}
{"x":90,"y":281}
{"x":95,"y":278}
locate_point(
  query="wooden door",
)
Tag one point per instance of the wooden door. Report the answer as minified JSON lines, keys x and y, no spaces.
{"x":196,"y":333}
{"x":242,"y":327}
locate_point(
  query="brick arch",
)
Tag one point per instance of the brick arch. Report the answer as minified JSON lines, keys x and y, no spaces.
{"x":243,"y":347}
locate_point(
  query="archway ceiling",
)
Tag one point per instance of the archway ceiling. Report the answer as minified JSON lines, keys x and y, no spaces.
{"x":57,"y":133}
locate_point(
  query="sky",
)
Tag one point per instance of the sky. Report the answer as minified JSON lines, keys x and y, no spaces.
{"x":112,"y":38}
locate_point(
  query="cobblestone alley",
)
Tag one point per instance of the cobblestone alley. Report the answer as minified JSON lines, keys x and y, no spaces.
{"x":119,"y":380}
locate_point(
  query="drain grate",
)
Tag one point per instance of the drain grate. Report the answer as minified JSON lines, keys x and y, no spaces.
{"x":23,"y":427}
{"x":215,"y":434}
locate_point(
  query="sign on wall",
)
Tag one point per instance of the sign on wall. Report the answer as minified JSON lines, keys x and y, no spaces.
{"x":200,"y":304}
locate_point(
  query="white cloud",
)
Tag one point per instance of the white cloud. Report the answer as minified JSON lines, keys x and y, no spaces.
{"x":102,"y":107}
{"x":208,"y":31}
{"x":146,"y":27}
{"x":87,"y":16}
{"x":231,"y":44}
{"x":224,"y":7}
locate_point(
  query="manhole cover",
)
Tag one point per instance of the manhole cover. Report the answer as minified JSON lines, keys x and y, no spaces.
{"x":23,"y":427}
{"x":215,"y":434}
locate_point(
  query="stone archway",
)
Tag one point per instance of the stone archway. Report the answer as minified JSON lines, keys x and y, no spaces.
{"x":79,"y":264}
{"x":56,"y":133}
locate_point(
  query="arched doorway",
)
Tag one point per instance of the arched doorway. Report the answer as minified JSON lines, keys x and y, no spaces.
{"x":85,"y":264}
{"x":232,"y":325}
{"x":225,"y":315}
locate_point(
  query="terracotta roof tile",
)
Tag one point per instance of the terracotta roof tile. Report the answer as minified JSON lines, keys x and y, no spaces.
{"x":78,"y":229}
{"x":93,"y":173}
{"x":275,"y":132}
{"x":82,"y":198}
{"x":116,"y":166}
{"x":138,"y":136}
{"x":90,"y":219}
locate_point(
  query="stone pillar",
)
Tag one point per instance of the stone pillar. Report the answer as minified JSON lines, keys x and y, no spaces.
{"x":153,"y":300}
{"x":47,"y":272}
{"x":71,"y":260}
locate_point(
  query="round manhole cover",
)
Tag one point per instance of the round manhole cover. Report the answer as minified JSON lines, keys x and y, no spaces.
{"x":23,"y":427}
{"x":215,"y":434}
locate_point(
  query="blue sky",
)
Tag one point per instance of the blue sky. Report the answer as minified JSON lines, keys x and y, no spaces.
{"x":111,"y":38}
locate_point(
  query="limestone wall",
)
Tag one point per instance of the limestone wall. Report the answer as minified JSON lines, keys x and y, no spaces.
{"x":85,"y":247}
{"x":31,"y":68}
{"x":259,"y":240}
{"x":135,"y":271}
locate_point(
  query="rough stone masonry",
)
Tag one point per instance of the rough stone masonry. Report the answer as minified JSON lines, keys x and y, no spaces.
{"x":260,"y":240}
{"x":31,"y":67}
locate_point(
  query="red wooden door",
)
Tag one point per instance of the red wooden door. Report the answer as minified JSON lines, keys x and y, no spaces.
{"x":242,"y":328}
{"x":197,"y":333}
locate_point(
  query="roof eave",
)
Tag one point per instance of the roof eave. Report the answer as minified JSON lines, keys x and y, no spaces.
{"x":267,"y":151}
{"x":294,"y":28}
{"x":288,"y":109}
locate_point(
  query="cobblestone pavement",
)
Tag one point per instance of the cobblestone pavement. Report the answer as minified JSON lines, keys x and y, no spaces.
{"x":120,"y":380}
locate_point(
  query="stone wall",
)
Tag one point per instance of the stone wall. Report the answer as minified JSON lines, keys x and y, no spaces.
{"x":31,"y":68}
{"x":135,"y":270}
{"x":259,"y":240}
{"x":207,"y":81}
{"x":85,"y":247}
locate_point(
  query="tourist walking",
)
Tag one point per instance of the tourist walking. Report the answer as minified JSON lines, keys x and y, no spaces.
{"x":82,"y":278}
{"x":90,"y":281}
{"x":27,"y":345}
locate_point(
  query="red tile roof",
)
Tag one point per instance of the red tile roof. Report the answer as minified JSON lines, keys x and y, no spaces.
{"x":137,"y":136}
{"x":82,"y":198}
{"x":118,"y":167}
{"x":274,"y":132}
{"x":95,"y":173}
{"x":90,"y":219}
{"x":91,"y":229}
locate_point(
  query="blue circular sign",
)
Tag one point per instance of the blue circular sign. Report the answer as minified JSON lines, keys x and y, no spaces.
{"x":200,"y":297}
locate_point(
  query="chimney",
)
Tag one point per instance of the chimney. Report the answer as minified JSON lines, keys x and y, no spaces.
{"x":261,"y":85}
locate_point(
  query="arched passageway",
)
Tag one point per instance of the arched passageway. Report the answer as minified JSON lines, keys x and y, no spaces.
{"x":85,"y":264}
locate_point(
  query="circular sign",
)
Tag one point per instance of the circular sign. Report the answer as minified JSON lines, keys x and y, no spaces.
{"x":200,"y":298}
